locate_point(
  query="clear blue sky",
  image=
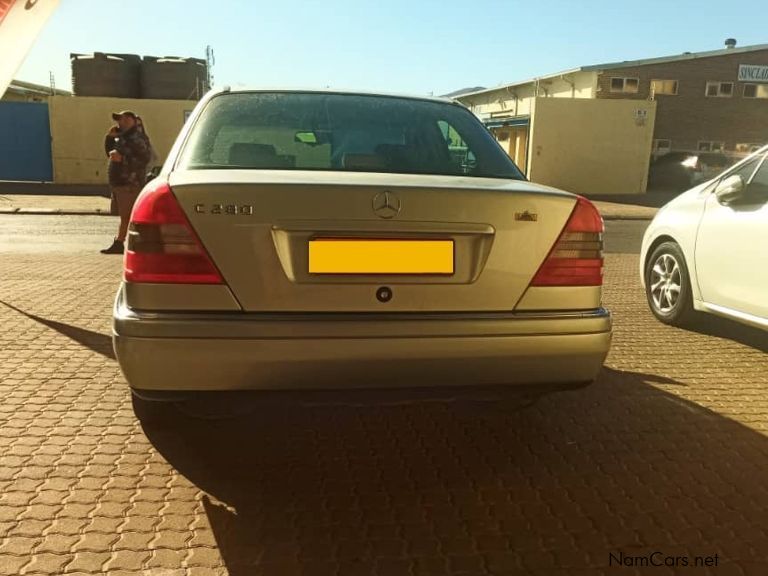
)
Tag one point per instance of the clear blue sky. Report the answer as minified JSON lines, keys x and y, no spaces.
{"x":414,"y":46}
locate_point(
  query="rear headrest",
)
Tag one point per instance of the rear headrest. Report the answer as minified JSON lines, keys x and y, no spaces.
{"x":250,"y":154}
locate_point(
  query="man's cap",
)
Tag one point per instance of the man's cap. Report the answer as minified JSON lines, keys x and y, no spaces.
{"x":117,"y":115}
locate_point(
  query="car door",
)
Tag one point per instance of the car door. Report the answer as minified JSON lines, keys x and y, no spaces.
{"x":732,"y":245}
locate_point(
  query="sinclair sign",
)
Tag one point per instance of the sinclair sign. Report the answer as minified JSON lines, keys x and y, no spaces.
{"x":752,"y":73}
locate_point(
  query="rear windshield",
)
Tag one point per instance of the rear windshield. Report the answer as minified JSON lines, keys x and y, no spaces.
{"x":319,"y":131}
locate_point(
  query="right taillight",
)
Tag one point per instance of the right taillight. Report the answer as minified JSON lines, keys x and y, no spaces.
{"x":577,"y":257}
{"x":162,"y":245}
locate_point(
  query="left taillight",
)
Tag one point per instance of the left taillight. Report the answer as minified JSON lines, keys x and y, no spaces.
{"x":577,"y":257}
{"x":162,"y":246}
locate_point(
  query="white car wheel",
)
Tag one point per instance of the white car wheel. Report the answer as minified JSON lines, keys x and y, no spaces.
{"x":668,"y":285}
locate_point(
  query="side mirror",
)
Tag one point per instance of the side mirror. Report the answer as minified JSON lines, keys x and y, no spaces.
{"x":730,"y":188}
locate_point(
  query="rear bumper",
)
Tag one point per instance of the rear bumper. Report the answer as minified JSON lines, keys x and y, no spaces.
{"x":236,"y":351}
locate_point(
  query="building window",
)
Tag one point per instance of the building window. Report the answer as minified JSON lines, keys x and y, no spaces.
{"x":625,"y":85}
{"x":711,"y":146}
{"x":664,"y":87}
{"x":755,"y":90}
{"x":719,"y":89}
{"x":661,"y":146}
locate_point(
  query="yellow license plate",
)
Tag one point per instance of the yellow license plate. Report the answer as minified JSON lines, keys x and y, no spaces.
{"x":380,"y":256}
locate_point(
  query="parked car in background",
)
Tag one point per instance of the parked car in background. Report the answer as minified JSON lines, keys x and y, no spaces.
{"x":320,"y":239}
{"x":681,"y":170}
{"x":709,"y":165}
{"x":707,"y":250}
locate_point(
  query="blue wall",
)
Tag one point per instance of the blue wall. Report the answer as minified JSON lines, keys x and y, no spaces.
{"x":25,"y":142}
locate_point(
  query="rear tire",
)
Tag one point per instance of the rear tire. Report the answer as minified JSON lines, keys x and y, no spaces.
{"x":668,"y":286}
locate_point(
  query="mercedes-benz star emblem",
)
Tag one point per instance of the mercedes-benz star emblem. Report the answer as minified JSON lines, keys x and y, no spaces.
{"x":386,"y":205}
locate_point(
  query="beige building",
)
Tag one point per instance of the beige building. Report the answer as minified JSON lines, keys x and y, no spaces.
{"x":79,"y":125}
{"x":706,"y":101}
{"x":507,"y":109}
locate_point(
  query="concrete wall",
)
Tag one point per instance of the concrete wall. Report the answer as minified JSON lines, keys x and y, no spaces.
{"x":591,"y":146}
{"x":79,"y":124}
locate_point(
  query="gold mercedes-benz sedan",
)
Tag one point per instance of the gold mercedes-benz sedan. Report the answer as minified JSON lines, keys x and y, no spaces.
{"x":332,"y":240}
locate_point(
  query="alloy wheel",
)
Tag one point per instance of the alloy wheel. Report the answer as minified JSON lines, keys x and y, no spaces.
{"x":666,"y":282}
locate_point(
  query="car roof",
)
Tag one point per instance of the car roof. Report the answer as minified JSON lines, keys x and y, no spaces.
{"x":347,"y":92}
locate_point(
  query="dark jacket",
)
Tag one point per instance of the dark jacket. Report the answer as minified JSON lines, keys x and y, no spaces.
{"x":134,"y":148}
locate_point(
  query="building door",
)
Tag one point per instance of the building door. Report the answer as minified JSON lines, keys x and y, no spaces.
{"x":518,"y":148}
{"x":25,"y":142}
{"x":512,"y":135}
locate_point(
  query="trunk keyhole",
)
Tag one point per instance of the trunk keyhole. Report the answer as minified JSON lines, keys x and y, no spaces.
{"x":384,"y":294}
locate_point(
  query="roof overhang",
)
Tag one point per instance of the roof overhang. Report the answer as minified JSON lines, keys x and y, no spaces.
{"x":21,"y":87}
{"x":626,"y":63}
{"x":530,"y":81}
{"x":676,"y":58}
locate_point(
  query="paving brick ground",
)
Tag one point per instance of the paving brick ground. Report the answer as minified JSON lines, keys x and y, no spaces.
{"x":666,"y":452}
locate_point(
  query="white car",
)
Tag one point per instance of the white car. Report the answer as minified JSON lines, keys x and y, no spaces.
{"x":707,"y":250}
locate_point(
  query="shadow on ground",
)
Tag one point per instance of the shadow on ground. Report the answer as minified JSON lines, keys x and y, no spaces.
{"x":95,"y":341}
{"x":618,"y":467}
{"x":710,"y":325}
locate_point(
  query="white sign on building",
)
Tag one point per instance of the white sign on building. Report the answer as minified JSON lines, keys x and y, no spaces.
{"x":753,"y":73}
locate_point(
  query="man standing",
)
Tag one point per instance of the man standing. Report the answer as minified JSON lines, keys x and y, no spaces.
{"x":129,"y":154}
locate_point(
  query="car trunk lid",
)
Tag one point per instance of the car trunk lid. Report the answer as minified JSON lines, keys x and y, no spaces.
{"x":260,"y":228}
